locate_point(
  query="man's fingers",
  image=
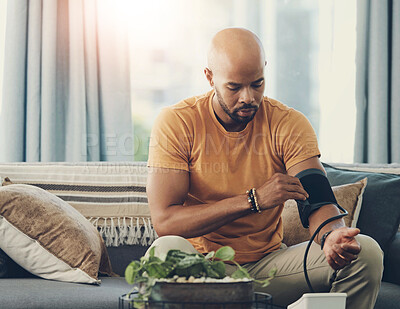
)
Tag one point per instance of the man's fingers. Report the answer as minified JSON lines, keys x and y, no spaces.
{"x":351,"y":232}
{"x":345,"y":254}
{"x":332,"y":264}
{"x":290,"y":180}
{"x":296,"y":189}
{"x":299,"y":186}
{"x":336,"y":261}
{"x":351,"y":248}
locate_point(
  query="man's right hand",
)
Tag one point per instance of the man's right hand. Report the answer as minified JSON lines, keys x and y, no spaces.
{"x":278,"y":189}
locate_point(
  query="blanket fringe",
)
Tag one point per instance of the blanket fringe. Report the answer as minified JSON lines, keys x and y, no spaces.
{"x":125,"y":231}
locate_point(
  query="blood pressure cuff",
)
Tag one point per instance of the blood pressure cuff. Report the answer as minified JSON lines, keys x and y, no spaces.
{"x":320,"y":193}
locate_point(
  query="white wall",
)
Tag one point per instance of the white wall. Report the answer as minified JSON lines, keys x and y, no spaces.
{"x":3,"y":7}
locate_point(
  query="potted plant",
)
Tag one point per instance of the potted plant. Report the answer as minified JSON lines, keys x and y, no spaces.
{"x":184,"y":278}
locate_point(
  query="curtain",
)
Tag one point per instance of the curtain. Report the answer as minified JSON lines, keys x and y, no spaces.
{"x":66,"y":89}
{"x":378,"y":81}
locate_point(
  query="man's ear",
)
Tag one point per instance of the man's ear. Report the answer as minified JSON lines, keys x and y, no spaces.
{"x":209,"y":76}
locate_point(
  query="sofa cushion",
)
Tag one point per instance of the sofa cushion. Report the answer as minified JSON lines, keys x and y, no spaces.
{"x":348,"y":196}
{"x":48,"y":237}
{"x":122,"y":256}
{"x":392,"y":262}
{"x":45,"y":294}
{"x":111,"y":195}
{"x":388,"y":297}
{"x":380,"y":213}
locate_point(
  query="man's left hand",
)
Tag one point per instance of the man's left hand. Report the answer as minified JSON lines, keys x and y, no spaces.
{"x":341,"y":247}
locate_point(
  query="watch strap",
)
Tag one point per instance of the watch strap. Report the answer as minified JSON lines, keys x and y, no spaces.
{"x":323,"y":238}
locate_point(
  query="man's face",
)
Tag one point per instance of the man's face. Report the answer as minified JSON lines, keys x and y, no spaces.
{"x":239,"y":91}
{"x":241,"y":114}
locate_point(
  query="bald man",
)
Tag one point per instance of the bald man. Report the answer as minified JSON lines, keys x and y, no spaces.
{"x":207,"y":151}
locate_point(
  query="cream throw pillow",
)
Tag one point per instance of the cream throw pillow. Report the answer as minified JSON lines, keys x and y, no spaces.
{"x":48,"y":237}
{"x":348,"y":196}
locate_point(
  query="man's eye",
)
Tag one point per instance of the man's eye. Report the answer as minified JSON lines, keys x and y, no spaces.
{"x":257,"y":85}
{"x":233,"y":88}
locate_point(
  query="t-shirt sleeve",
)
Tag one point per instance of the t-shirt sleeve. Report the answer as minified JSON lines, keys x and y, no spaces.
{"x":296,"y":140}
{"x":169,"y":145}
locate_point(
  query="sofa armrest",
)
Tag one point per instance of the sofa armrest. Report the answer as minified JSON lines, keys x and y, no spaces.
{"x":392,"y":261}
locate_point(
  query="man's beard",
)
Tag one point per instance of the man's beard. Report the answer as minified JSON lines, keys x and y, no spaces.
{"x":234,"y":114}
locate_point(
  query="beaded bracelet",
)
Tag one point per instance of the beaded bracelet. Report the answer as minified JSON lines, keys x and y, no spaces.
{"x":252,"y":199}
{"x":255,"y":200}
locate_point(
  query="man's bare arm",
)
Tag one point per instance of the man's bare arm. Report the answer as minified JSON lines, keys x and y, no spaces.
{"x":340,"y":246}
{"x":167,"y":190}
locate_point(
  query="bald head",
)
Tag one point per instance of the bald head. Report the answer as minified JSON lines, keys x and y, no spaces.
{"x":235,"y":46}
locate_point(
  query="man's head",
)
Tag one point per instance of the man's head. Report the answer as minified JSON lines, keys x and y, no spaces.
{"x":235,"y":70}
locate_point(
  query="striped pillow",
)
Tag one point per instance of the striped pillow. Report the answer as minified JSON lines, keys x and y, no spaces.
{"x":111,"y":195}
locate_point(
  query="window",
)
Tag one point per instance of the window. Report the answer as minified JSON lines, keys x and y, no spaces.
{"x":310,"y":48}
{"x":2,"y":44}
{"x":309,"y":44}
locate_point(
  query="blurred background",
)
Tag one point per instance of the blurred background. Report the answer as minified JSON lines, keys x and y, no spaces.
{"x":83,"y":80}
{"x":310,"y":47}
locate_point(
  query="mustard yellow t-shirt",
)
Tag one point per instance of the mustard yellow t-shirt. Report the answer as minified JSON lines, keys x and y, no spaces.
{"x":222,"y":164}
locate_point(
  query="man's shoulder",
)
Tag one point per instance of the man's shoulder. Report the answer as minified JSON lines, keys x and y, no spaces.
{"x":186,"y":112}
{"x":278,"y":111}
{"x":276,"y":106}
{"x":191,"y":105}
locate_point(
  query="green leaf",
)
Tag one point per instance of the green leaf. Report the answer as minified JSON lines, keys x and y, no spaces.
{"x":209,"y":255}
{"x":191,"y":265}
{"x":169,"y":269}
{"x":152,"y":250}
{"x":210,"y":272}
{"x":241,"y":273}
{"x":155,"y":270}
{"x":154,"y":259}
{"x":219,"y":267}
{"x":266,"y":283}
{"x":138,"y":305}
{"x":272,"y":272}
{"x":131,"y":271}
{"x":175,"y":256}
{"x":225,"y":253}
{"x":189,"y":261}
{"x":159,"y":269}
{"x":196,"y":270}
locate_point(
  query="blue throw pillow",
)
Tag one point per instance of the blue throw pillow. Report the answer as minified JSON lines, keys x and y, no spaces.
{"x":3,"y":264}
{"x":380,"y":211}
{"x":10,"y":269}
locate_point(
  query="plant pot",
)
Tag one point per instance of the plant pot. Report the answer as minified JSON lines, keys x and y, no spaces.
{"x":210,"y":295}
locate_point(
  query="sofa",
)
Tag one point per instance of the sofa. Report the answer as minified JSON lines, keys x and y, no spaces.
{"x":120,"y":215}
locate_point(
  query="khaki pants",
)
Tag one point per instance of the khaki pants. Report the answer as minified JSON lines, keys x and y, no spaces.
{"x":360,"y":280}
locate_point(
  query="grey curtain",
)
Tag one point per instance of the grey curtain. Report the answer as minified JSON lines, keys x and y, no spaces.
{"x":66,"y":92}
{"x":378,"y":81}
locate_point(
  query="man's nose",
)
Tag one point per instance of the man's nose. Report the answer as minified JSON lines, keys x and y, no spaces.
{"x":246,"y":96}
